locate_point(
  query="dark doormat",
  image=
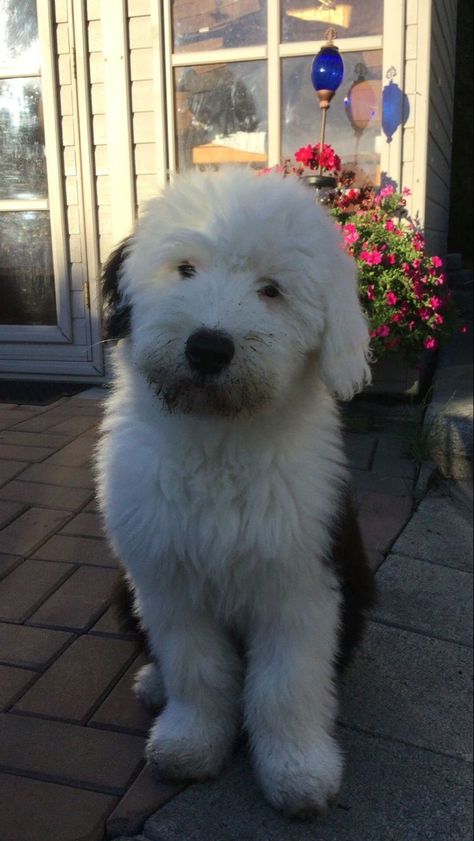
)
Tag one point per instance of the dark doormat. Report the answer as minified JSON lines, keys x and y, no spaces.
{"x":37,"y":392}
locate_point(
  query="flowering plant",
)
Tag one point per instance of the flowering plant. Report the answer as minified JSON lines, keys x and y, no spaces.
{"x":402,"y":290}
{"x":318,"y":157}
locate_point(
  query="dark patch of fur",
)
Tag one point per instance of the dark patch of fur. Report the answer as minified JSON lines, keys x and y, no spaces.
{"x":124,"y":605}
{"x":116,"y":323}
{"x":356,"y":579}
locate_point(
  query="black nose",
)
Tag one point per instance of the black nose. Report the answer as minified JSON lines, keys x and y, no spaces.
{"x":209,"y":351}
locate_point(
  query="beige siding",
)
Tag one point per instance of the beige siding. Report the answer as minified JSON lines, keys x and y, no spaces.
{"x":99,"y":124}
{"x":410,"y":87}
{"x":143,"y":122}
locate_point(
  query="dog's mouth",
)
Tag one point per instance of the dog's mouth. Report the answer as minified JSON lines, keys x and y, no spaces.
{"x":220,"y":393}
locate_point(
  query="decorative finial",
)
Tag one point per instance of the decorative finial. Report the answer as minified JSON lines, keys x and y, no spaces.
{"x":391,"y":73}
{"x":330,"y":35}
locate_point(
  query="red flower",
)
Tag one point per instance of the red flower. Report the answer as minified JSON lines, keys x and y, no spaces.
{"x":430,"y":343}
{"x":391,"y":299}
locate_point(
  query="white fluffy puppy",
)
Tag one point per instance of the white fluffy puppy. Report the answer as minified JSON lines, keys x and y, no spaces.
{"x":222,"y":478}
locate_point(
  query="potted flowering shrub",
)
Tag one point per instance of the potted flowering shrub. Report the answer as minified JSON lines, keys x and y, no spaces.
{"x":402,"y":289}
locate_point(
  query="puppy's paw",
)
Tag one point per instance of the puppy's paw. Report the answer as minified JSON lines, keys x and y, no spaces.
{"x":149,"y":688}
{"x":187,"y":747}
{"x":300,"y":782}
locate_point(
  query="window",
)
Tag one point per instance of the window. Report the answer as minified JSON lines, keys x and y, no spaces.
{"x":238,"y":81}
{"x":28,"y":263}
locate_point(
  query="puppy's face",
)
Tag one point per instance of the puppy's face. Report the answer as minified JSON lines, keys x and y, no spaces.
{"x":224,"y":291}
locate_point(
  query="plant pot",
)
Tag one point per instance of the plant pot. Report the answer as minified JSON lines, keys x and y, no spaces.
{"x":397,"y":377}
{"x":322,"y":184}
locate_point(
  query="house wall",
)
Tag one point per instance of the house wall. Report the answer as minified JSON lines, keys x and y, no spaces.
{"x":440,"y":123}
{"x":129,"y":138}
{"x":427,"y":136}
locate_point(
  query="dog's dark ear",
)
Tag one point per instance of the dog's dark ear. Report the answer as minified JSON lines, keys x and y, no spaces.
{"x":116,"y":323}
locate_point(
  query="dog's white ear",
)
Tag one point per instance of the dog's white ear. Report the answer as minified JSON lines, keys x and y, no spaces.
{"x":345,"y":344}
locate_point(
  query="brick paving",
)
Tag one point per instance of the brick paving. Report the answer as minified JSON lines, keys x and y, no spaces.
{"x":71,"y":733}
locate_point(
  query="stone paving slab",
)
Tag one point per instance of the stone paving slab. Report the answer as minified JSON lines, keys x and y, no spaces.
{"x":78,"y":679}
{"x":77,"y":603}
{"x":391,"y":792}
{"x":121,"y":710}
{"x":31,"y":648}
{"x":58,"y":474}
{"x":413,"y":688}
{"x":77,"y":550}
{"x":426,"y":597}
{"x":13,"y":682}
{"x":9,"y":511}
{"x":31,"y":529}
{"x":69,"y":753}
{"x":29,"y":584}
{"x":36,"y":810}
{"x":440,"y":531}
{"x":45,"y":496}
{"x":9,"y":469}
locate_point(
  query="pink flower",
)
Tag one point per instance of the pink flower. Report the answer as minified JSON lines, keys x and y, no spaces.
{"x":396,"y":317}
{"x":389,"y":225}
{"x":437,"y":262}
{"x":406,"y":191}
{"x":391,"y":299}
{"x":441,"y":280}
{"x":430,"y":343}
{"x":390,"y":259}
{"x":372,"y":258}
{"x":436,"y":303}
{"x":351,"y":234}
{"x":371,"y":292}
{"x":387,"y":191}
{"x":439,"y":318}
{"x":411,"y":326}
{"x":425,"y":314}
{"x":383,"y":330}
{"x":463,"y":328}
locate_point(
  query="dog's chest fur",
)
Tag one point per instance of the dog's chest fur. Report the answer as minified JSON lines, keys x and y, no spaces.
{"x":228,"y":508}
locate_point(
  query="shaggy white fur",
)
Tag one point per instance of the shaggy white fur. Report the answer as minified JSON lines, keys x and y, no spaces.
{"x":219,"y":486}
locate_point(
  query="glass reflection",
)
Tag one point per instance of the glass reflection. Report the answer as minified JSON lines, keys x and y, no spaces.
{"x":221,"y":114}
{"x":354,"y":133}
{"x":22,"y":151}
{"x":214,"y":24}
{"x":27,"y":292}
{"x":307,"y":20}
{"x":19,"y":42}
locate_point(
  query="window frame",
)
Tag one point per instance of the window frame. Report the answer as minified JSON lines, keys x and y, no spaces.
{"x":54,"y":203}
{"x":390,"y":42}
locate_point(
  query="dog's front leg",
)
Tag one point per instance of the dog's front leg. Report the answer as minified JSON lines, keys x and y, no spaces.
{"x":193,"y":736}
{"x":290,"y":699}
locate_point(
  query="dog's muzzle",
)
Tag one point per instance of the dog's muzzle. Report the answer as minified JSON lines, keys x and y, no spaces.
{"x":209,"y":351}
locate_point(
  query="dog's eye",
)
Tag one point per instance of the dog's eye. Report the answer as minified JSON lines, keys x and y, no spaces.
{"x":186,"y":269}
{"x":270,"y":290}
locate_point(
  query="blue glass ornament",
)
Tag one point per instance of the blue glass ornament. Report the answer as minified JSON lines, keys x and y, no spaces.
{"x":327,"y":69}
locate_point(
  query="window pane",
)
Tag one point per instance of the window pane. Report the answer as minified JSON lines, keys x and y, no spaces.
{"x":213,"y":24}
{"x":221,"y":114}
{"x":26,"y":269}
{"x":307,"y":20}
{"x":22,"y":153}
{"x":358,"y":142}
{"x":19,"y":43}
